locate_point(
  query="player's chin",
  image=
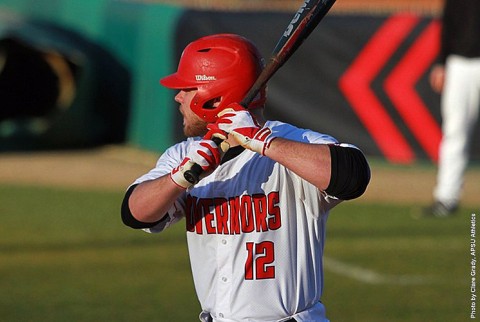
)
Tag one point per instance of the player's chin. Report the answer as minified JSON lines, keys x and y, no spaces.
{"x":197,"y":129}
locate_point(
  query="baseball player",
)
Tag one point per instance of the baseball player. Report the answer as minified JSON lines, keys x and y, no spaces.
{"x":457,"y":77}
{"x":255,"y":222}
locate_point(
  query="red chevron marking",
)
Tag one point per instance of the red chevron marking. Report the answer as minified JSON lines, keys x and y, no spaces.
{"x":400,"y":87}
{"x":355,"y":84}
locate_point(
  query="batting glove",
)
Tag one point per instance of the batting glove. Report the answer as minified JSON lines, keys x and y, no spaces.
{"x":242,"y":126}
{"x":205,"y":153}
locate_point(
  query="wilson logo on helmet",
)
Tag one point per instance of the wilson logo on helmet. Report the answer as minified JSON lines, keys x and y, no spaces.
{"x":205,"y":78}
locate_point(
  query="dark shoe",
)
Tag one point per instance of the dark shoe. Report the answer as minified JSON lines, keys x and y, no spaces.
{"x":440,"y":210}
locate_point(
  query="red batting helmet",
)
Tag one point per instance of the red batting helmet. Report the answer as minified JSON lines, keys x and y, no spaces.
{"x":222,"y":68}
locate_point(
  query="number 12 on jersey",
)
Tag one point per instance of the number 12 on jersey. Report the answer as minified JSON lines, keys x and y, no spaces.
{"x":260,"y":257}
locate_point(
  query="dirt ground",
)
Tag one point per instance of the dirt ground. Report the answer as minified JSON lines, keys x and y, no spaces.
{"x":340,"y":6}
{"x":115,"y":167}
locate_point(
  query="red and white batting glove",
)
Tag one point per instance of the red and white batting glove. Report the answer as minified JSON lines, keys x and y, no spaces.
{"x":242,"y":126}
{"x":205,"y":153}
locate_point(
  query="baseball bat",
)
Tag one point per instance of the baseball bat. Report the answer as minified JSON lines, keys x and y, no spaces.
{"x":305,"y":20}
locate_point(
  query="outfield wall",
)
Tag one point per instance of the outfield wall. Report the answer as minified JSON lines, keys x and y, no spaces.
{"x":362,"y":78}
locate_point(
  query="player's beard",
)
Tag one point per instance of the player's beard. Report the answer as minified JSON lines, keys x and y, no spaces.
{"x":195,"y":127}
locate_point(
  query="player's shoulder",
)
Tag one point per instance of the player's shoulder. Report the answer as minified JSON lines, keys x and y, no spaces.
{"x":182,"y":145}
{"x":295,"y":133}
{"x":178,"y":150}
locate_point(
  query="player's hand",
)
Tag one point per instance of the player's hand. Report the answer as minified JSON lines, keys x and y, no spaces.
{"x":437,"y":77}
{"x":243,"y":128}
{"x":205,"y":153}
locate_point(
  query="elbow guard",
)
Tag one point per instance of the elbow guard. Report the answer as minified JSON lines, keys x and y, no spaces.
{"x":128,"y":219}
{"x":350,"y":173}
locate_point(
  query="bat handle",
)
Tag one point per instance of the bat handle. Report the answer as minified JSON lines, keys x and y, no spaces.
{"x":193,"y":175}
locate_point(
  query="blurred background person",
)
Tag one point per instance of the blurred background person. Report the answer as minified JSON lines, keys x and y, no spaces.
{"x":457,"y":78}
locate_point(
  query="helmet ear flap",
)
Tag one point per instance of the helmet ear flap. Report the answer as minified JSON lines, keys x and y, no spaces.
{"x":212,"y":103}
{"x":207,"y":103}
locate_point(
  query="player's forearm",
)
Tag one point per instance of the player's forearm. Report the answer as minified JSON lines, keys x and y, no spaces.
{"x":309,"y":161}
{"x":150,"y":200}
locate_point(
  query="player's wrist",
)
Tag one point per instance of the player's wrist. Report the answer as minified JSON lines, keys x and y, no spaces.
{"x":266,"y":145}
{"x":178,"y":174}
{"x":262,"y":140}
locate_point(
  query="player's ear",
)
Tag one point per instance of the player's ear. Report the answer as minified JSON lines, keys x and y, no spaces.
{"x":213,"y":103}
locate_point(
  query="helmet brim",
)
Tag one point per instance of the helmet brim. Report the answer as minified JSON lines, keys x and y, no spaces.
{"x":174,"y":82}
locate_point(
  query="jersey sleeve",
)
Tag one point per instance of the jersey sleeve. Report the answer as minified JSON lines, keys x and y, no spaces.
{"x":288,"y":131}
{"x":174,"y":214}
{"x":167,"y":161}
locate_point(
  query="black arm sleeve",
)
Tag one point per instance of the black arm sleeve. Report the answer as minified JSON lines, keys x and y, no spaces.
{"x":350,"y":173}
{"x":127,"y":217}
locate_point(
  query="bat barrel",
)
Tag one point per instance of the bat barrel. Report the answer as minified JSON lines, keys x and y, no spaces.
{"x":261,"y":81}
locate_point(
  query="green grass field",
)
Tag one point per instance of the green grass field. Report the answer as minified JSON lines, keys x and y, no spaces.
{"x":65,"y":256}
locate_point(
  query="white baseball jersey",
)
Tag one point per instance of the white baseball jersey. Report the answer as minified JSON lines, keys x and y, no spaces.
{"x":255,"y":233}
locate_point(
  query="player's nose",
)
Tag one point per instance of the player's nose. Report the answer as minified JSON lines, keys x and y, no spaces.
{"x":179,"y":97}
